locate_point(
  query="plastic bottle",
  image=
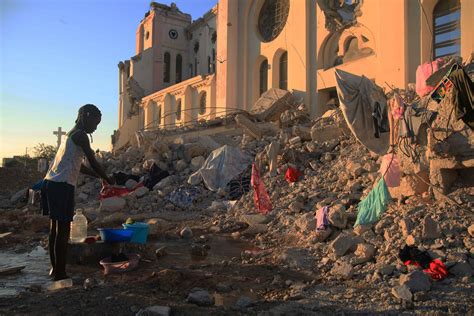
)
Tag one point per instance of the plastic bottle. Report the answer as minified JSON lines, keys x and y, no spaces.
{"x":78,"y":227}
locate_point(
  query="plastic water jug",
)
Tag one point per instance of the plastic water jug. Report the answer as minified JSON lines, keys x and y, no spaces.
{"x":78,"y":227}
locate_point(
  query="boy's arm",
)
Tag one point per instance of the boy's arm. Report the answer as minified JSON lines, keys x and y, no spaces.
{"x":88,"y":171}
{"x":82,"y":140}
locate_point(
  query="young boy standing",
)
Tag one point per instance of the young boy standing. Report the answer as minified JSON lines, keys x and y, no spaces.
{"x":57,"y":192}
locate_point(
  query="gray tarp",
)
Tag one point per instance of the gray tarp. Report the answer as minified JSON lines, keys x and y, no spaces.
{"x":221,"y":166}
{"x":361,"y":100}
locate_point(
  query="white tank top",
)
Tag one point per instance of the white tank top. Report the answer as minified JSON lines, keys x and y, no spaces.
{"x":67,"y":162}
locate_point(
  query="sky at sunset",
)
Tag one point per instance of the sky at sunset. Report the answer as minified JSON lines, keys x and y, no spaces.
{"x":57,"y":55}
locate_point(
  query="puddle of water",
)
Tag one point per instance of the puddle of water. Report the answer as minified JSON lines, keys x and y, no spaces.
{"x":221,"y":248}
{"x":35,"y":273}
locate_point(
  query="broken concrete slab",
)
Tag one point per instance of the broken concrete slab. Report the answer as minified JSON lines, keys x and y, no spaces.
{"x":272,"y":104}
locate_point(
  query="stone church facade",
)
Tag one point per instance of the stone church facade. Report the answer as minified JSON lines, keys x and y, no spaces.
{"x":184,"y":71}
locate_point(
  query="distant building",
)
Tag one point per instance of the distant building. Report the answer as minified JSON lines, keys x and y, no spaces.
{"x":184,"y":71}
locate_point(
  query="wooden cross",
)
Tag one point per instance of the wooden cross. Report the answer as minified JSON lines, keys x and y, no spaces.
{"x":60,"y":133}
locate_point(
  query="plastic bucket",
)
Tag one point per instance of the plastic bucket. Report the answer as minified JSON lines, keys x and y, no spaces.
{"x":115,"y":235}
{"x":140,"y":232}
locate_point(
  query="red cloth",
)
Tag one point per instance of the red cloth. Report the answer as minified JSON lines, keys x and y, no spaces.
{"x":260,"y":196}
{"x":111,"y":191}
{"x":437,"y":270}
{"x":292,"y":174}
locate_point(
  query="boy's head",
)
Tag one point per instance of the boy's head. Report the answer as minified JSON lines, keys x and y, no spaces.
{"x":89,"y":117}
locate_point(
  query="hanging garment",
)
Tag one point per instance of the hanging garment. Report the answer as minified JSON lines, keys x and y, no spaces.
{"x":423,"y":72}
{"x":322,"y":220}
{"x":397,"y":107}
{"x":413,"y":256}
{"x":371,"y":208}
{"x":260,"y":196}
{"x":413,"y":119}
{"x":390,"y":170}
{"x":292,"y":174}
{"x":463,"y":96}
{"x":364,"y":107}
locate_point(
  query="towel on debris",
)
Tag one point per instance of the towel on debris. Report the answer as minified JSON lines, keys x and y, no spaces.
{"x":322,"y":220}
{"x":372,"y":207}
{"x":390,"y":170}
{"x":260,"y":196}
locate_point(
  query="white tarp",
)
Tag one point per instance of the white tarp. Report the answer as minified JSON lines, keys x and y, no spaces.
{"x":221,"y":166}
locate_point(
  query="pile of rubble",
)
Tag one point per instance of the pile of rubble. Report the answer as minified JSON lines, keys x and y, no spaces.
{"x":336,"y":172}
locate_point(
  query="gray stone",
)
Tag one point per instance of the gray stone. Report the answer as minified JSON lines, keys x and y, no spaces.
{"x":140,"y":192}
{"x":130,"y":184}
{"x":406,"y":226}
{"x":82,"y":196}
{"x":343,"y":270}
{"x":430,"y":228}
{"x":112,"y":204}
{"x":322,"y":235}
{"x":200,"y":298}
{"x":18,"y":195}
{"x":197,"y":162}
{"x":337,"y":216}
{"x":155,"y":310}
{"x":181,"y":165}
{"x":385,"y":269}
{"x":402,"y":292}
{"x":341,"y":244}
{"x":253,"y":219}
{"x":186,"y":233}
{"x":416,"y":281}
{"x":306,"y":223}
{"x":163,"y":183}
{"x":364,"y":252}
{"x":461,"y":269}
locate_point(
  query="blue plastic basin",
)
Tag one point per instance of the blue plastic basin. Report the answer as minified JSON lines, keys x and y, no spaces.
{"x":115,"y":234}
{"x":140,"y":232}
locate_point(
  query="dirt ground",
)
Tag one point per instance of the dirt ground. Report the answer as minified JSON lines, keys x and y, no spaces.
{"x":231,"y":270}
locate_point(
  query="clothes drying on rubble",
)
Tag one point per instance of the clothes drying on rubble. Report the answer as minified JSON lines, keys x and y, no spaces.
{"x":240,"y":184}
{"x":413,"y":118}
{"x":322,"y":219}
{"x":423,"y":72}
{"x":373,"y":205}
{"x":184,"y":197}
{"x":410,"y":255}
{"x":390,"y":170}
{"x":261,"y":198}
{"x":364,"y":106}
{"x":463,"y":96}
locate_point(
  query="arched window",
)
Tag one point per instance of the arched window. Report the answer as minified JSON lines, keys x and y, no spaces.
{"x":190,"y":70}
{"x":447,"y":28}
{"x":195,"y":66}
{"x":202,"y":103}
{"x":167,"y":64}
{"x":178,"y":110}
{"x":209,"y":65}
{"x":263,"y":76}
{"x":213,"y":60}
{"x":179,"y":68}
{"x":284,"y":71}
{"x":159,"y":116}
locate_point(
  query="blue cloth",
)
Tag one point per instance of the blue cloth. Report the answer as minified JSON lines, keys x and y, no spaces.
{"x":372,"y":207}
{"x":183,"y":197}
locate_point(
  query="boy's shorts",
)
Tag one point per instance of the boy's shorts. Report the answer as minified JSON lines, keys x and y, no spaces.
{"x":57,"y":200}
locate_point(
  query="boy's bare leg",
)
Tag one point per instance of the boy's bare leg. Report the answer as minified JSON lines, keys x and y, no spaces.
{"x":51,"y":245}
{"x":60,"y":250}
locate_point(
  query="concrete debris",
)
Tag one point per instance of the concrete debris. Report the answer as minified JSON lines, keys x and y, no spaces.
{"x":272,"y":104}
{"x":112,"y":204}
{"x":416,"y":281}
{"x":402,"y":292}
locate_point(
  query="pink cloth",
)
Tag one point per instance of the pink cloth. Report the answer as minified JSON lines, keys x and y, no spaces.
{"x":322,"y":220}
{"x":260,"y":196}
{"x":397,"y":107}
{"x":392,"y":175}
{"x":423,"y":72}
